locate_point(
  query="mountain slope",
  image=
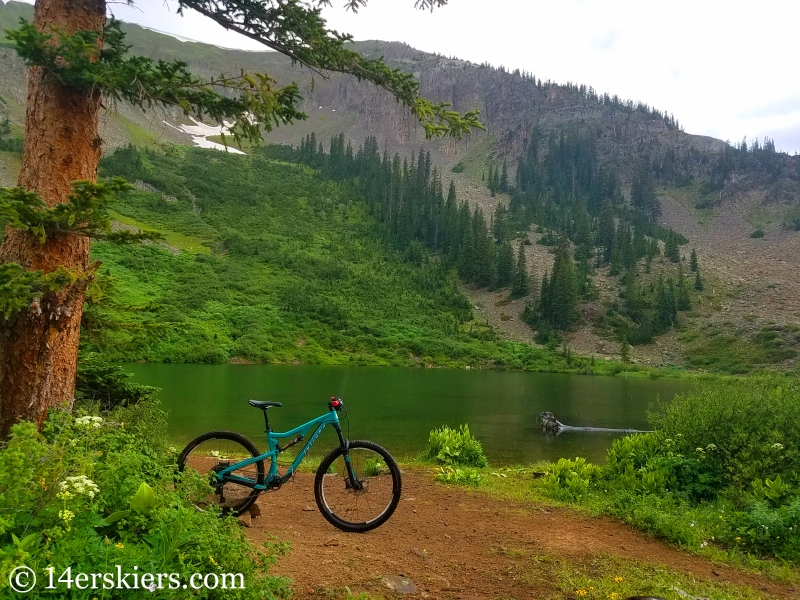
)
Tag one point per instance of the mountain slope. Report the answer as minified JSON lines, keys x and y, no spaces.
{"x":710,"y":193}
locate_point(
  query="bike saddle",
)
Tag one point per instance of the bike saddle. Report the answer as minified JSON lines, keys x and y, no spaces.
{"x":263,"y":404}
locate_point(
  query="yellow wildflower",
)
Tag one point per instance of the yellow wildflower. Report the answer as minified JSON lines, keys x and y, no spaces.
{"x":613,"y":596}
{"x":617,"y":579}
{"x":120,"y":545}
{"x":738,"y":539}
{"x":580,"y":592}
{"x":211,"y":558}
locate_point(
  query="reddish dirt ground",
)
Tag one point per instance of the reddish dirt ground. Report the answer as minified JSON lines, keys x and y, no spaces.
{"x":455,"y":543}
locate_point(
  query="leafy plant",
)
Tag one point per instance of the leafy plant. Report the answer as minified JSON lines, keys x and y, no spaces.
{"x":753,"y":428}
{"x":373,"y":467}
{"x":721,"y":469}
{"x":448,"y":446}
{"x":459,"y":476}
{"x":772,"y":490}
{"x":99,"y":382}
{"x":92,"y":492}
{"x":570,"y":479}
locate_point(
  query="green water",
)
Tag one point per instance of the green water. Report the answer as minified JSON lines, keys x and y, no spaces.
{"x":398,"y":407}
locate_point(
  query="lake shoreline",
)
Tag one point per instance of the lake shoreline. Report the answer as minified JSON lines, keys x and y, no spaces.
{"x":399,"y":407}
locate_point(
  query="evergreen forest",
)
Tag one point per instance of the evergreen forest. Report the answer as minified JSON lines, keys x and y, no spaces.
{"x":265,"y":260}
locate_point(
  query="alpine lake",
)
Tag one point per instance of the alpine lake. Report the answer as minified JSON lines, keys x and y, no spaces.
{"x":397,"y":407}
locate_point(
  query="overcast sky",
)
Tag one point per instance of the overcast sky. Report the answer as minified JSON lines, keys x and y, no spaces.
{"x":724,"y":68}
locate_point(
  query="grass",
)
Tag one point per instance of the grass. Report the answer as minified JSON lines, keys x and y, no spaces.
{"x":724,"y":349}
{"x":690,"y":198}
{"x":174,"y":239}
{"x":134,"y":133}
{"x":612,"y":578}
{"x":276,"y":265}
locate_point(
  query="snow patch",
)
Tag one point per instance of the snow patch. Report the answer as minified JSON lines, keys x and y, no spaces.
{"x":200,"y":132}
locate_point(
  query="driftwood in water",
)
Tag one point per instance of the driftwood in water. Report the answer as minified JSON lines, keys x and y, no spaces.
{"x":552,"y":425}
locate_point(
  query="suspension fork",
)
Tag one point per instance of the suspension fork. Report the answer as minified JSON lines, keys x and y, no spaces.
{"x":346,"y":453}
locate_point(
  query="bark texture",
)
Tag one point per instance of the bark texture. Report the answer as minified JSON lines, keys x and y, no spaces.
{"x":39,"y":345}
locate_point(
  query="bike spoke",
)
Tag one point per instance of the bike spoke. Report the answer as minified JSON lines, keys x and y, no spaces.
{"x":377,"y":489}
{"x":209,"y":458}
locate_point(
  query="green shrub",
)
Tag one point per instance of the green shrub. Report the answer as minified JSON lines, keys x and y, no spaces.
{"x":753,"y":429}
{"x":770,"y":523}
{"x":649,"y":464}
{"x":767,"y":530}
{"x":458,"y":476}
{"x":106,"y":385}
{"x":91,"y":493}
{"x":721,"y":469}
{"x":569,"y":480}
{"x":455,"y":447}
{"x":758,"y":233}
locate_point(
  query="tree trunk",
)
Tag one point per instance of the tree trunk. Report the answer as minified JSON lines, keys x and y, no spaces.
{"x":39,"y":345}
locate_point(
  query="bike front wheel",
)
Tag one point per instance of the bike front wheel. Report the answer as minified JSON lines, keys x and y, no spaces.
{"x":365,"y":503}
{"x":208,"y":455}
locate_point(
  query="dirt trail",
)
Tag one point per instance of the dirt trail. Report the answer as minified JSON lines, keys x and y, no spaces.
{"x":455,"y":543}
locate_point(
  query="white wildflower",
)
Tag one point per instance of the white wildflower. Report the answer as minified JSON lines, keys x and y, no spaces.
{"x":777,"y":446}
{"x":80,"y":485}
{"x":89,"y":421}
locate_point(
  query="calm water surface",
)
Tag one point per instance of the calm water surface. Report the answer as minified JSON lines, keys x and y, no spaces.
{"x":398,"y":407}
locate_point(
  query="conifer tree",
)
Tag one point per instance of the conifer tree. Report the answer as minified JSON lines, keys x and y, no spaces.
{"x":490,"y":179}
{"x":583,"y":231}
{"x":693,"y":261}
{"x":643,"y":193}
{"x":682,"y":300}
{"x":500,"y":225}
{"x":616,"y":262}
{"x":634,"y":303}
{"x":562,"y":288}
{"x":606,"y":230}
{"x":671,"y":248}
{"x":698,"y":282}
{"x":520,"y":285}
{"x":640,"y":246}
{"x":505,"y":269}
{"x":666,"y":310}
{"x":483,"y":250}
{"x":503,"y":183}
{"x":78,"y":61}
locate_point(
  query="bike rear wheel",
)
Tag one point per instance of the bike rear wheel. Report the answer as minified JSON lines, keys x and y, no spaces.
{"x":369,"y":502}
{"x":208,"y":455}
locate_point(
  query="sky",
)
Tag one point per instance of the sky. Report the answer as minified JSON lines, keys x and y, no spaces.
{"x":724,"y":68}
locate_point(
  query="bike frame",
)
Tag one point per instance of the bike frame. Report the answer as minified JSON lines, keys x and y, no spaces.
{"x":273,"y":479}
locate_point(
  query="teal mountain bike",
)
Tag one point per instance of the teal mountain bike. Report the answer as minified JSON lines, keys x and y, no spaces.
{"x":357,"y":485}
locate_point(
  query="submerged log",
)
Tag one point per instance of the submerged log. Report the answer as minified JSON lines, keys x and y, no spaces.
{"x":552,"y":425}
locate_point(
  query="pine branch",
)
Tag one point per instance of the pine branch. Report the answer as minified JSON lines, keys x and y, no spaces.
{"x":294,"y":28}
{"x":84,"y":212}
{"x":297,"y":30}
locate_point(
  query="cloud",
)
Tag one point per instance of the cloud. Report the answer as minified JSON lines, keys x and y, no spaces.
{"x":783,"y":107}
{"x":605,"y":42}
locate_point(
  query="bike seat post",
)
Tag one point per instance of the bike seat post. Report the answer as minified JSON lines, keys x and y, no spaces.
{"x":266,"y":421}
